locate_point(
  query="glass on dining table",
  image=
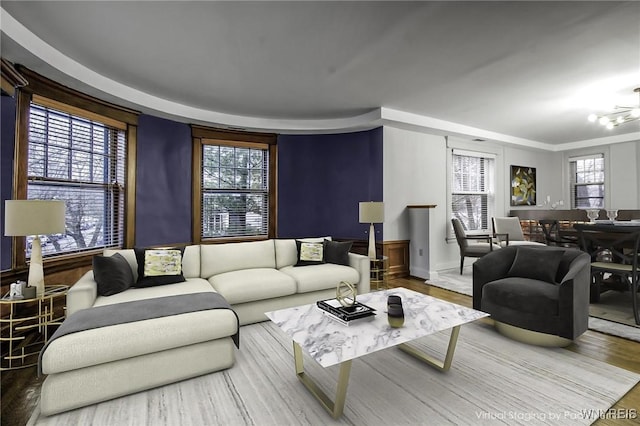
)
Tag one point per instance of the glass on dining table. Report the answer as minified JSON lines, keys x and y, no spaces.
{"x":612,"y":214}
{"x":592,"y":214}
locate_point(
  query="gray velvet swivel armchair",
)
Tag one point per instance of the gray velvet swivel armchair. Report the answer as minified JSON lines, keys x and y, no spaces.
{"x":538,"y":295}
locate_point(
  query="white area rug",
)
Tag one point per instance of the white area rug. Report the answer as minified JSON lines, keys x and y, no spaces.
{"x":615,"y":305}
{"x":493,"y":380}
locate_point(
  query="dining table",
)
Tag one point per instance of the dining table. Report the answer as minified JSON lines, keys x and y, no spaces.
{"x":614,"y":247}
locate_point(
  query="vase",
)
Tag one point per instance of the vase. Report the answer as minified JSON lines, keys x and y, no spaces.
{"x":395,"y":315}
{"x":394,"y":300}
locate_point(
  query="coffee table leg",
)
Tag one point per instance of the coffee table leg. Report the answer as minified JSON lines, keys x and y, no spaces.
{"x":441,"y":365}
{"x":335,"y":408}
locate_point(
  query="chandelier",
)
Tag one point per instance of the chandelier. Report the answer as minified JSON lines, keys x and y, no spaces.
{"x":621,"y":115}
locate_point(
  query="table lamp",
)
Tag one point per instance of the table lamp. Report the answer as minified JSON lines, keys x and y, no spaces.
{"x":372,"y":212}
{"x":34,"y":217}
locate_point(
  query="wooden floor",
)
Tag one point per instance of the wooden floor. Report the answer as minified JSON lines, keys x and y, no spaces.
{"x":20,"y":388}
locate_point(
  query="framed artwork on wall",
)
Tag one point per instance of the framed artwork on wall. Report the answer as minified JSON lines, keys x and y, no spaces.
{"x":523,"y":186}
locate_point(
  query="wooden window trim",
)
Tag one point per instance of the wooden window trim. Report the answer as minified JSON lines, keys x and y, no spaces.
{"x":78,"y":112}
{"x":71,"y":101}
{"x":10,"y":78}
{"x":204,"y":135}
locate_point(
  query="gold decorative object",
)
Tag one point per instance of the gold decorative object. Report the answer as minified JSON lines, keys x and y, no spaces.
{"x":346,"y":294}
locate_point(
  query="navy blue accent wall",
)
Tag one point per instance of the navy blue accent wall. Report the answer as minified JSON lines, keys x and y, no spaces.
{"x":163,"y":182}
{"x":321,"y":180}
{"x":7,"y":138}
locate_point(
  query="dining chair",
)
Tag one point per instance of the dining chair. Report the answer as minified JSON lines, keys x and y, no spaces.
{"x":553,"y":235}
{"x":471,"y":245}
{"x":615,"y":253}
{"x":508,"y":232}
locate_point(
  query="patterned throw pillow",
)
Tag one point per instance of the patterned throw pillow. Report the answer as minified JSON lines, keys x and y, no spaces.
{"x":309,"y":253}
{"x":159,"y":266}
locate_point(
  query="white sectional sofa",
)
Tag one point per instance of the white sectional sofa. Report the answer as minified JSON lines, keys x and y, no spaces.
{"x":98,"y":364}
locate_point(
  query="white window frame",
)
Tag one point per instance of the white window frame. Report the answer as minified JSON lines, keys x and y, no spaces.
{"x":572,"y":174}
{"x":489,"y":192}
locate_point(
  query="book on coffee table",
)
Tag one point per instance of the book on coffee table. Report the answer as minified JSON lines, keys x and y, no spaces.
{"x":346,"y":314}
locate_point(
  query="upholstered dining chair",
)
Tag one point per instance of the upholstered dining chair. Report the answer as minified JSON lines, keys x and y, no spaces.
{"x":471,"y":245}
{"x":508,"y":232}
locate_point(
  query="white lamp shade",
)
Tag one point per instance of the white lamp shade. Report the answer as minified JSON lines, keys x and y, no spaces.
{"x":33,"y":217}
{"x":371,"y":212}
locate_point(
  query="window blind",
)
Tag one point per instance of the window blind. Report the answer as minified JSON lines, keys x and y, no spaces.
{"x":82,"y":162}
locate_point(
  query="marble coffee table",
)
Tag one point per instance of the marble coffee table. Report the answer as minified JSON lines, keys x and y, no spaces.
{"x":329,"y":343}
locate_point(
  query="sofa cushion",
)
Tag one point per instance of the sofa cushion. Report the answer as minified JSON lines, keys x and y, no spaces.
{"x":320,"y":277}
{"x":523,"y":295}
{"x":248,"y":285}
{"x":191,"y":285}
{"x":220,"y":258}
{"x":287,"y":253}
{"x":337,"y":252}
{"x":159,"y":266}
{"x":112,"y":274}
{"x":106,"y":344}
{"x":309,"y":253}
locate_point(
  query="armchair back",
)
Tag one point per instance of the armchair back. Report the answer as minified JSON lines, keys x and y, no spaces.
{"x":510,"y":226}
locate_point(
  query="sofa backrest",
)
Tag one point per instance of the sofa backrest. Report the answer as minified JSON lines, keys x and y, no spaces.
{"x":190,"y":260}
{"x":287,"y":252}
{"x":219,"y":258}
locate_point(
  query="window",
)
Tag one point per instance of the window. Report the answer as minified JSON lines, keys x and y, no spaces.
{"x":74,"y":147}
{"x":80,"y":161}
{"x":472,"y":189}
{"x":586,"y":176}
{"x":234,"y":185}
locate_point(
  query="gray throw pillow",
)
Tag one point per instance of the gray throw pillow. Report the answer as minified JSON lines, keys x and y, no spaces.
{"x":536,"y":263}
{"x":337,"y":252}
{"x":112,"y":274}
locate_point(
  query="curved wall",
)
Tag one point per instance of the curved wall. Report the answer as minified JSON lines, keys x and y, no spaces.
{"x":163,"y":182}
{"x":321,"y":179}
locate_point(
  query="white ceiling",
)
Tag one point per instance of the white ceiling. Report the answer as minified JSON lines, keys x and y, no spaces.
{"x":521,"y":72}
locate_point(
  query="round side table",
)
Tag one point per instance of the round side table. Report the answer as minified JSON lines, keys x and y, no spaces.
{"x":379,"y":270}
{"x":25,"y":330}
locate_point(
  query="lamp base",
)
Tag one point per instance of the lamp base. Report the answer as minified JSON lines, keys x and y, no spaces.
{"x":372,"y":242}
{"x":36,"y":273}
